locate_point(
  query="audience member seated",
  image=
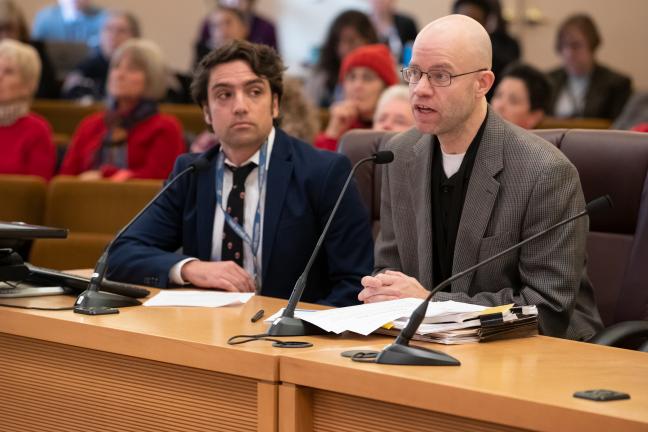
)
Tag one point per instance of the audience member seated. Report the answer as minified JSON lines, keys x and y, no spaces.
{"x":348,"y":31}
{"x":393,"y":111}
{"x":522,"y":96}
{"x":14,"y":26}
{"x":582,"y":86}
{"x":203,"y":232}
{"x":365,"y":73}
{"x":225,"y":24}
{"x":488,"y":13}
{"x":258,"y":29}
{"x":394,"y":29}
{"x":299,"y":117}
{"x":25,"y":138}
{"x":88,"y":81}
{"x":71,"y":21}
{"x":131,"y":139}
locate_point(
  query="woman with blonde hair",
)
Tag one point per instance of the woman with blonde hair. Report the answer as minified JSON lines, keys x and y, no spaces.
{"x":25,"y":138}
{"x":131,"y":139}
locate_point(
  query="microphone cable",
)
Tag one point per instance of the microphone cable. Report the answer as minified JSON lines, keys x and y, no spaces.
{"x":277,"y":343}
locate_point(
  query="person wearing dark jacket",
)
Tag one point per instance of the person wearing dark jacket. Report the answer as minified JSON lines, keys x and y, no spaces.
{"x":249,"y":221}
{"x":582,"y":86}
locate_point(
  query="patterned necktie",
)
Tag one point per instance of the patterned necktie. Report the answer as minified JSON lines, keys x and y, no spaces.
{"x":233,"y":244}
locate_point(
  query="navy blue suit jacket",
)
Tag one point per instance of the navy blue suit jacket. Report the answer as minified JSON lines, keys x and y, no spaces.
{"x":302,"y":186}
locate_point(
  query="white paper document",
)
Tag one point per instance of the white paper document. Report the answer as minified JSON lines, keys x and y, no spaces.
{"x":366,"y":318}
{"x":198,"y":298}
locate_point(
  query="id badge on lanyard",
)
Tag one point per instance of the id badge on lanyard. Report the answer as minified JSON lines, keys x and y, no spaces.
{"x":255,"y":240}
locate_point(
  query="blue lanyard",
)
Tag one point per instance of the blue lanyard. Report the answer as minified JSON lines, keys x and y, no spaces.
{"x":254,"y":241}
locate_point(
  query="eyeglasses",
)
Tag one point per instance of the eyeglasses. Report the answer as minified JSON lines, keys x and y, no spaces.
{"x":436,"y":78}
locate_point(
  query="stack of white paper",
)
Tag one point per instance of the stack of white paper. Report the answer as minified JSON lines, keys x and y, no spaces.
{"x":367,"y":318}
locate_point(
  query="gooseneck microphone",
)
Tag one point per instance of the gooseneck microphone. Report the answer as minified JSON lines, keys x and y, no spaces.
{"x":94,"y":302}
{"x":400,"y":352}
{"x":287,"y":324}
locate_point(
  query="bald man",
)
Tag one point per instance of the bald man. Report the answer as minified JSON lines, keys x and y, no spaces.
{"x":465,"y":185}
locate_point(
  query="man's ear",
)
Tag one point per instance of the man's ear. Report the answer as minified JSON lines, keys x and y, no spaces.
{"x":207,"y":114}
{"x":275,"y":106}
{"x":484,"y":82}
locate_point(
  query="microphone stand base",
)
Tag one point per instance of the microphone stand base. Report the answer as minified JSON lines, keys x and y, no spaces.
{"x":397,"y":354}
{"x":88,"y":300}
{"x":285,"y":326}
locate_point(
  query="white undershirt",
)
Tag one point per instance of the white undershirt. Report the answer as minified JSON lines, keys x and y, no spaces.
{"x":571,"y":100}
{"x":451,"y":162}
{"x":250,"y":203}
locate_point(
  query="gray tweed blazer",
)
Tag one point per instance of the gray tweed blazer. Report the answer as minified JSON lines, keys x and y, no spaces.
{"x":520,"y":184}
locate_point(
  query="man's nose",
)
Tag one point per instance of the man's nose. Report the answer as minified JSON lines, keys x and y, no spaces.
{"x":423,"y":86}
{"x":240,"y":103}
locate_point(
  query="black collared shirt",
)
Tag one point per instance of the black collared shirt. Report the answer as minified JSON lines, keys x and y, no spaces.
{"x":448,"y":196}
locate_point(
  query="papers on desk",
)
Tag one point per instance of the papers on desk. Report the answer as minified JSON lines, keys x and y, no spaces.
{"x":445,"y":322}
{"x":501,"y":322}
{"x":203,"y":298}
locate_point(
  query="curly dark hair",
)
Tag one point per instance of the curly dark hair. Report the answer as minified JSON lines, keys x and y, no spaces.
{"x":262,"y":59}
{"x":329,"y":61}
{"x":535,"y":82}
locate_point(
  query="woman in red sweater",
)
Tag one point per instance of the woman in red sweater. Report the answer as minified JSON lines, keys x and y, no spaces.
{"x":131,"y":139}
{"x":365,"y":73}
{"x":25,"y":138}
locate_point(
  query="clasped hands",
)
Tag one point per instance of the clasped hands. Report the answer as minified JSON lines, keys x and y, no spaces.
{"x":390,"y":285}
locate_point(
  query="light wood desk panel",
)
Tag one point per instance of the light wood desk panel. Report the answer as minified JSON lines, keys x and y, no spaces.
{"x":145,"y":369}
{"x":506,"y":385}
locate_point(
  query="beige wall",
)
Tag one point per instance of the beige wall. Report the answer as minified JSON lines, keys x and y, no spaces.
{"x":173,"y":24}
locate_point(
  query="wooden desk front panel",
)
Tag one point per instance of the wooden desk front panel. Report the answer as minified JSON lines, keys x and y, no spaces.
{"x":53,"y":387}
{"x":522,"y":383}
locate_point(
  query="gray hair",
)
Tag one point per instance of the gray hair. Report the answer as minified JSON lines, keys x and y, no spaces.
{"x":147,"y":56}
{"x":397,"y":91}
{"x":26,"y":59}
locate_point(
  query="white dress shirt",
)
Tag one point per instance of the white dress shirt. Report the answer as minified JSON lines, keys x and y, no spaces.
{"x":252,"y":198}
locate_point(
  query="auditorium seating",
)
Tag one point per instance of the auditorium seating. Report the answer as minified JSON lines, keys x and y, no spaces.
{"x":93,"y":211}
{"x":65,"y":116}
{"x":608,"y":162}
{"x":22,"y":198}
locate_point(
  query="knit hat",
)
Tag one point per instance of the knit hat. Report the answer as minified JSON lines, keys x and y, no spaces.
{"x":375,"y":57}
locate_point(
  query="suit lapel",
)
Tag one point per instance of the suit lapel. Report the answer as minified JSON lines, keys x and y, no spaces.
{"x":420,"y":172}
{"x":279,"y":174}
{"x":480,"y":199}
{"x":206,"y":206}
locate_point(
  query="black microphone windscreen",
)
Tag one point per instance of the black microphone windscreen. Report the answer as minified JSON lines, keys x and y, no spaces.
{"x":598,"y":204}
{"x":200,"y":164}
{"x":383,"y":157}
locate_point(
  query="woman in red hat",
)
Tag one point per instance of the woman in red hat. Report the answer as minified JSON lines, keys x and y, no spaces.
{"x":365,"y":73}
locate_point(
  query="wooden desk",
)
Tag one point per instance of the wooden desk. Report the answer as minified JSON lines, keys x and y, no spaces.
{"x":145,"y":369}
{"x":522,"y":384}
{"x":574,"y":123}
{"x":152,"y":369}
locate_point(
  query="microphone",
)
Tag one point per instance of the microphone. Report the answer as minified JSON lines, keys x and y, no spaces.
{"x":94,"y":302}
{"x":287,"y":324}
{"x":401,"y":353}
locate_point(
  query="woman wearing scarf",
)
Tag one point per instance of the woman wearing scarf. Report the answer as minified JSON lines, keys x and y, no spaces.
{"x":131,"y":139}
{"x":25,"y":138}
